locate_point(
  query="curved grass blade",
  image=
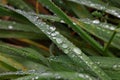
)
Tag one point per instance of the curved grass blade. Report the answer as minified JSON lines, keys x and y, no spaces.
{"x":20,"y":34}
{"x":100,"y":6}
{"x":95,"y":27}
{"x":24,"y":52}
{"x":79,"y":10}
{"x":11,"y":62}
{"x":101,"y":30}
{"x":58,"y":75}
{"x":75,"y":27}
{"x":64,"y":44}
{"x":106,"y":63}
{"x":20,"y":4}
{"x":6,"y":12}
{"x":11,"y":25}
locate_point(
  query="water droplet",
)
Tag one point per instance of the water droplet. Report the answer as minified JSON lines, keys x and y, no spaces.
{"x":106,"y":26}
{"x":115,"y":67}
{"x":64,"y":45}
{"x":48,"y":32}
{"x":77,"y":50}
{"x":32,"y":79}
{"x":66,"y":51}
{"x":52,"y":28}
{"x":55,"y":33}
{"x":54,"y":37}
{"x":81,"y":75}
{"x":36,"y":77}
{"x":98,"y":63}
{"x":58,"y":77}
{"x":58,"y":40}
{"x":10,"y":27}
{"x":74,"y":23}
{"x":96,"y":21}
{"x":62,"y":21}
{"x":118,"y":16}
{"x":112,"y":28}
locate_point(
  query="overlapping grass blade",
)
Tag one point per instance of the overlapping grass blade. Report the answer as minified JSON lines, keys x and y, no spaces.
{"x":24,"y":52}
{"x":99,"y":6}
{"x":70,"y":49}
{"x":20,"y":4}
{"x":11,"y":62}
{"x":75,"y":27}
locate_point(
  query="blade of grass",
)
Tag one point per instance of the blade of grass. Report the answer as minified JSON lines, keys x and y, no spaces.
{"x":75,"y":27}
{"x":99,"y":6}
{"x":71,"y":50}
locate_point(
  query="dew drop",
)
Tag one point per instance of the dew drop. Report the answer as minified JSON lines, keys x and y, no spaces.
{"x":81,"y":75}
{"x":106,"y":26}
{"x":64,"y":45}
{"x":58,"y":40}
{"x":62,"y":21}
{"x":112,"y":28}
{"x":48,"y":32}
{"x":10,"y":27}
{"x":98,"y":63}
{"x":54,"y":37}
{"x":118,"y":16}
{"x":54,"y":34}
{"x":36,"y":77}
{"x":32,"y":79}
{"x":66,"y":51}
{"x":52,"y":28}
{"x":58,"y":77}
{"x":74,"y":23}
{"x":96,"y":21}
{"x":115,"y":67}
{"x":77,"y":50}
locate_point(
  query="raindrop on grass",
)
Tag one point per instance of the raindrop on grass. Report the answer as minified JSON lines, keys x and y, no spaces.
{"x":64,"y":45}
{"x":54,"y":34}
{"x":74,"y":23}
{"x":62,"y":21}
{"x":96,"y":21}
{"x":115,"y":67}
{"x":10,"y":27}
{"x":77,"y":50}
{"x":52,"y":28}
{"x":58,"y":40}
{"x":36,"y":77}
{"x":112,"y":28}
{"x":66,"y":51}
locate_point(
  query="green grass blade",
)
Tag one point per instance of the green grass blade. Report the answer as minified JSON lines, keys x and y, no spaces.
{"x":11,"y":62}
{"x":70,"y":49}
{"x":100,"y":6}
{"x":24,"y":52}
{"x":58,"y":75}
{"x":74,"y":26}
{"x":20,"y":4}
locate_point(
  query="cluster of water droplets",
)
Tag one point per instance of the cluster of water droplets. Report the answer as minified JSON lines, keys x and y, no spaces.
{"x":99,"y":24}
{"x":111,"y":10}
{"x":114,"y":12}
{"x":10,"y":27}
{"x":116,"y":67}
{"x":35,"y":78}
{"x":84,"y":76}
